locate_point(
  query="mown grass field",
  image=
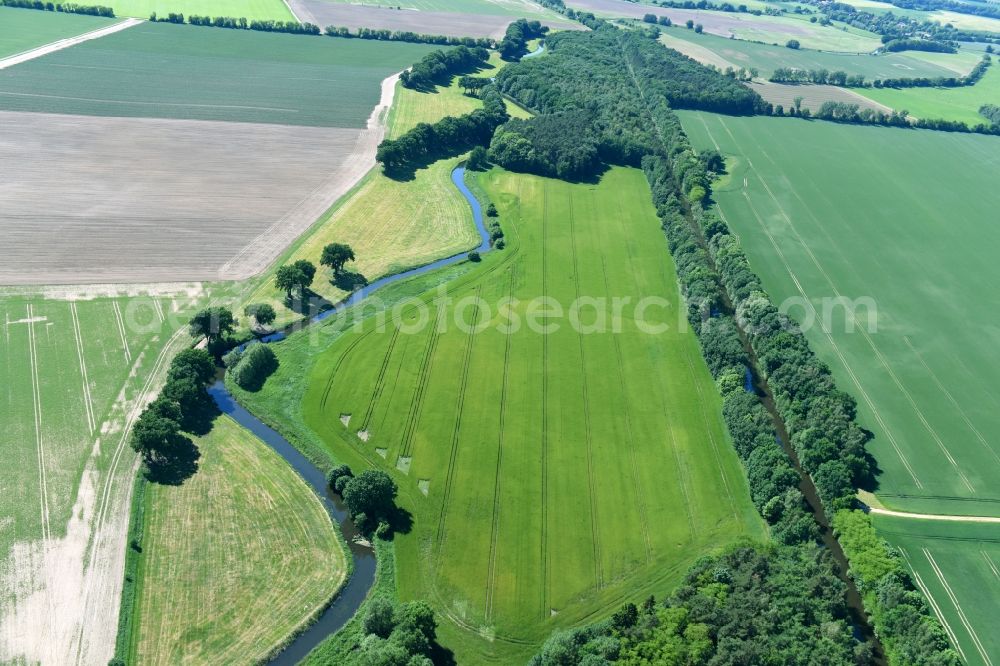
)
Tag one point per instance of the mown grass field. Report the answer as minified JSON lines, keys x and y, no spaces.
{"x":25,"y":29}
{"x":393,"y":225}
{"x":73,"y":373}
{"x":957,"y":565}
{"x":736,"y":53}
{"x":949,"y":103}
{"x":235,"y":559}
{"x":569,"y":471}
{"x":829,"y":211}
{"x":274,"y":10}
{"x":163,"y":70}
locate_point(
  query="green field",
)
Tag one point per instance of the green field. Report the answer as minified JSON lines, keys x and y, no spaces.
{"x":570,"y":471}
{"x":235,"y":559}
{"x":516,"y":8}
{"x":766,"y":58}
{"x":275,"y":10}
{"x":874,"y":222}
{"x":25,"y":29}
{"x":949,"y":103}
{"x":957,"y":566}
{"x":168,"y":71}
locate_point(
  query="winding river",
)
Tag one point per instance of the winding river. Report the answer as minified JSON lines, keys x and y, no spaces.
{"x":356,"y":589}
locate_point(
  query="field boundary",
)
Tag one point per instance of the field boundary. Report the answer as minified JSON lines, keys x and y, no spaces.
{"x":934,"y":516}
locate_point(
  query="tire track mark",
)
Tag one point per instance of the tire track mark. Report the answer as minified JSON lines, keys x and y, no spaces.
{"x":380,"y":381}
{"x":121,"y":331}
{"x":961,"y":613}
{"x":934,"y":605}
{"x":417,"y":402}
{"x":39,"y":438}
{"x":546,"y":582}
{"x":87,"y":400}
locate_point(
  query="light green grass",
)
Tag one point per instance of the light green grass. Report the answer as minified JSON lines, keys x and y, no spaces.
{"x":274,"y":10}
{"x":25,"y":29}
{"x":766,"y":58}
{"x":235,"y":559}
{"x":170,"y":71}
{"x":958,"y":568}
{"x":566,"y":473}
{"x":949,"y":103}
{"x":516,"y":8}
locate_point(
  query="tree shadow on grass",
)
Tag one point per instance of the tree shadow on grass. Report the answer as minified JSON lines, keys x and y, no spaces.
{"x":349,"y":281}
{"x":307,"y":304}
{"x":178,"y":468}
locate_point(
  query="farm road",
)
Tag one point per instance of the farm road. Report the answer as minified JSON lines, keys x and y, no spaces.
{"x":932,"y":516}
{"x":18,"y":58}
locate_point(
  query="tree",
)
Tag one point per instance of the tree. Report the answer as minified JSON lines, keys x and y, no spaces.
{"x":194,"y":364}
{"x":262,"y":313}
{"x":214,"y":323}
{"x":699,"y":28}
{"x":379,"y":618}
{"x":254,"y":367}
{"x":341,"y":471}
{"x":287,"y":279}
{"x":478,"y":159}
{"x":335,"y":255}
{"x":373,"y":492}
{"x":154,"y":436}
{"x":792,"y":43}
{"x":798,"y":104}
{"x":308,"y":270}
{"x":689,"y":23}
{"x":649,"y":18}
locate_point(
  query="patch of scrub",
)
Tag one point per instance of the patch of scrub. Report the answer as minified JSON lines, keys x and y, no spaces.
{"x":364,"y":435}
{"x":424,"y":485}
{"x":382,"y":452}
{"x":345,"y":419}
{"x":403,"y":464}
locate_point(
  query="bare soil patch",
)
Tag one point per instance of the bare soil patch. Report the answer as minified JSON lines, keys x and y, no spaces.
{"x":97,"y":200}
{"x":433,"y":23}
{"x":813,"y":96}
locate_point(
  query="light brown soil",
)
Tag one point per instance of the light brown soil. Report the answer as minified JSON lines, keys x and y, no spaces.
{"x":812,"y":96}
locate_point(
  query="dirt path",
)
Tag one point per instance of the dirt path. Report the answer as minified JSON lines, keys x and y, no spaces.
{"x":259,"y":253}
{"x":932,"y":516}
{"x":18,"y":58}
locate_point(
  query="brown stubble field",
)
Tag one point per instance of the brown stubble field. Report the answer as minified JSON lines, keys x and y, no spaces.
{"x":451,"y":24}
{"x":98,"y":199}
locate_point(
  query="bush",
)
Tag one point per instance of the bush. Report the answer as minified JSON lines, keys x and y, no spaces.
{"x":338,"y":473}
{"x":256,"y":365}
{"x":792,"y":43}
{"x":372,"y":494}
{"x":474,"y":257}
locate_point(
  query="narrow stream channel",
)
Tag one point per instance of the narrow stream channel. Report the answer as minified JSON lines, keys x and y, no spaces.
{"x":356,"y":589}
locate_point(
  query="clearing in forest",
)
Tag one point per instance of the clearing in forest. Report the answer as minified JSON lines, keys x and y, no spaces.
{"x":886,"y":263}
{"x":235,"y":559}
{"x":572,"y":470}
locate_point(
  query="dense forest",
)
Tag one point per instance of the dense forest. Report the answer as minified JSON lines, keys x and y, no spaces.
{"x":608,"y":96}
{"x":438,"y":67}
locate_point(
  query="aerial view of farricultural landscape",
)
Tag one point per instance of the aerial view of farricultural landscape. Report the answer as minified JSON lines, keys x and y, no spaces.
{"x":500,"y":332}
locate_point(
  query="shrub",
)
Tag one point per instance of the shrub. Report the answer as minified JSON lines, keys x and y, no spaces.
{"x":255,"y":367}
{"x":792,"y":43}
{"x":474,"y":257}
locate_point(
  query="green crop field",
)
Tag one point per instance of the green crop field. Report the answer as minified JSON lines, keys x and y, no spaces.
{"x":573,"y":470}
{"x":235,"y":559}
{"x":829,"y":212}
{"x":957,"y":566}
{"x":169,"y":71}
{"x":25,"y":29}
{"x":275,"y":10}
{"x":949,"y":103}
{"x":766,"y":58}
{"x":516,"y":8}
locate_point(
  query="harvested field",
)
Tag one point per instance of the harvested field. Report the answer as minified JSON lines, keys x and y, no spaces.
{"x":453,"y":24}
{"x":161,"y":70}
{"x":515,"y":8}
{"x":235,"y":559}
{"x":172,"y":200}
{"x":768,"y":29}
{"x":24,"y":29}
{"x":812,"y":96}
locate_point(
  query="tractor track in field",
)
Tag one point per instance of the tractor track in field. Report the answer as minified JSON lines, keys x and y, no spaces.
{"x":380,"y":381}
{"x":61,"y":44}
{"x":595,"y":528}
{"x":495,"y":527}
{"x":629,"y":437}
{"x":417,"y":402}
{"x":88,"y":402}
{"x":39,"y":438}
{"x":336,"y":368}
{"x":546,"y":592}
{"x":456,"y":432}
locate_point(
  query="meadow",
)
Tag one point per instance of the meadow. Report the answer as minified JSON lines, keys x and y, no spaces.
{"x":871,"y":235}
{"x":74,"y":366}
{"x":957,"y":566}
{"x":949,"y":103}
{"x":161,"y":70}
{"x":575,"y":471}
{"x":394,"y":225}
{"x":24,"y":29}
{"x":514,"y":8}
{"x":235,"y":559}
{"x":766,"y":58}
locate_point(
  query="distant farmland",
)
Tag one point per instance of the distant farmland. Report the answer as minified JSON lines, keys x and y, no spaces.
{"x":831,"y":212}
{"x":574,"y":471}
{"x":175,"y":197}
{"x":24,"y":29}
